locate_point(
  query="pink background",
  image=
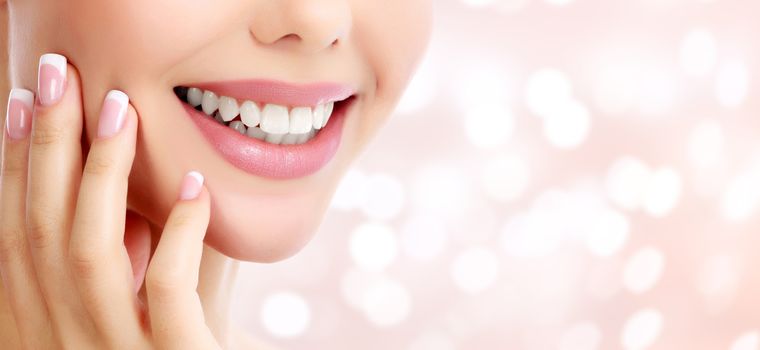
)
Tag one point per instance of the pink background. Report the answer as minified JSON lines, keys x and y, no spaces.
{"x":560,"y":175}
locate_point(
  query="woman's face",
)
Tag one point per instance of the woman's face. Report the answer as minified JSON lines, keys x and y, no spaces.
{"x":293,"y":54}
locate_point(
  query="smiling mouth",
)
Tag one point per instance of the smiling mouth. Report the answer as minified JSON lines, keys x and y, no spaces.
{"x":269,"y":122}
{"x":270,"y":128}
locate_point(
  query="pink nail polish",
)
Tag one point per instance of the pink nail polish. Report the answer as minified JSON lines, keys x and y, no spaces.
{"x":18,"y":120}
{"x":113,"y":114}
{"x":191,"y":186}
{"x":51,"y":78}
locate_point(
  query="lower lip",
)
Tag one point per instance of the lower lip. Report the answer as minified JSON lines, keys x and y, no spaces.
{"x":269,"y":160}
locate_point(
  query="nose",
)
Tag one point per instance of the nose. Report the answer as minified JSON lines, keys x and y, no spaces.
{"x":309,"y":26}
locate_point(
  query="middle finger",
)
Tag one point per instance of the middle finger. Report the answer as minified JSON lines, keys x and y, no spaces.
{"x":55,"y":159}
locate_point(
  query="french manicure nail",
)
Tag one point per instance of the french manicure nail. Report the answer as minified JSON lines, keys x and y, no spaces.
{"x":191,"y":186}
{"x":51,"y":78}
{"x":18,"y":120}
{"x":113,"y":114}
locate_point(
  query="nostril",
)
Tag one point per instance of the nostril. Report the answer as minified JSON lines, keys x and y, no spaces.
{"x":290,"y":37}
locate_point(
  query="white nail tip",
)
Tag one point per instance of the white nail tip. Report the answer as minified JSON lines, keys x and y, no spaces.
{"x":55,"y":60}
{"x":119,"y":97}
{"x":197,"y":176}
{"x":25,"y":96}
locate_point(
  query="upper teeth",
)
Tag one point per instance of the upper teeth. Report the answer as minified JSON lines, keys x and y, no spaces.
{"x":272,"y":118}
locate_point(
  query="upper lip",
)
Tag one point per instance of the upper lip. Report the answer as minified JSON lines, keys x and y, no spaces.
{"x":278,"y":92}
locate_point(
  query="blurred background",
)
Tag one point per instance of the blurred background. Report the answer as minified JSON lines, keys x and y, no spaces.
{"x":561,"y":174}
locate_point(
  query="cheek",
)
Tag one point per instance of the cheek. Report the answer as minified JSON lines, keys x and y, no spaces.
{"x":133,"y":45}
{"x":144,"y":36}
{"x":392,"y":36}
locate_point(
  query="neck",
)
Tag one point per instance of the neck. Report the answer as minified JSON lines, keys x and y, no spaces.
{"x":215,"y":283}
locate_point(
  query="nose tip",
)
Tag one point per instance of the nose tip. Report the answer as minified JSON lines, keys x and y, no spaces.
{"x":308,"y":25}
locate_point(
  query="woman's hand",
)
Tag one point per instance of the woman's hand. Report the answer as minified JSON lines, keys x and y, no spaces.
{"x":62,"y":255}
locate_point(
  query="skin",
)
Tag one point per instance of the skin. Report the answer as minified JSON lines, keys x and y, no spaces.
{"x":145,"y":48}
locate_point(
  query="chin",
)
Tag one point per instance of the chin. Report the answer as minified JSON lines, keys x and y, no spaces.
{"x":266,"y":236}
{"x":265,"y":228}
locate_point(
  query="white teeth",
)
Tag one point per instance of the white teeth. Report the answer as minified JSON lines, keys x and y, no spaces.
{"x":239,"y":126}
{"x":275,"y":138}
{"x":210,"y":102}
{"x":274,"y":123}
{"x":319,"y":116}
{"x":256,"y":133}
{"x":228,"y":108}
{"x":328,"y":112}
{"x":195,"y":97}
{"x":304,"y":137}
{"x":290,"y":139}
{"x":250,"y":113}
{"x":275,"y":119}
{"x":301,"y":120}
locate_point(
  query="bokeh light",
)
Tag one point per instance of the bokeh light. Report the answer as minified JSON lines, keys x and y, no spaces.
{"x":572,"y":175}
{"x":699,"y":52}
{"x":642,"y":329}
{"x":506,"y":178}
{"x":285,"y":314}
{"x":475,"y":269}
{"x":582,"y":336}
{"x":374,"y":246}
{"x":643,"y":270}
{"x":732,"y":83}
{"x":747,"y":341}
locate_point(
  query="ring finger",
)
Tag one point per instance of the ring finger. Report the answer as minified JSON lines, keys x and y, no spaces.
{"x":19,"y":280}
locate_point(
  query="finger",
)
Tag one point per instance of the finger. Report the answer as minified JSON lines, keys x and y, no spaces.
{"x":54,"y":172}
{"x":176,"y":314}
{"x":137,"y":240}
{"x":97,"y":255}
{"x":16,"y":267}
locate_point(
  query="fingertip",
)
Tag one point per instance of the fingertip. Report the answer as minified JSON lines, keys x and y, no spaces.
{"x":131,"y":119}
{"x":132,"y":112}
{"x":113,"y":114}
{"x":57,"y":80}
{"x":18,"y":116}
{"x":192,"y":186}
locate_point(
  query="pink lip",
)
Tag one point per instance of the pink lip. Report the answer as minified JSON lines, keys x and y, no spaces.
{"x":269,"y":160}
{"x":269,"y":91}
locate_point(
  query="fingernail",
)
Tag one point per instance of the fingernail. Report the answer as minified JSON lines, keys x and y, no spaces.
{"x":191,"y":186}
{"x":51,"y":78}
{"x":18,"y":120}
{"x":113,"y":114}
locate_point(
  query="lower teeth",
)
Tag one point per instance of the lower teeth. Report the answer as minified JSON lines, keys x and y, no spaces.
{"x":257,"y":133}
